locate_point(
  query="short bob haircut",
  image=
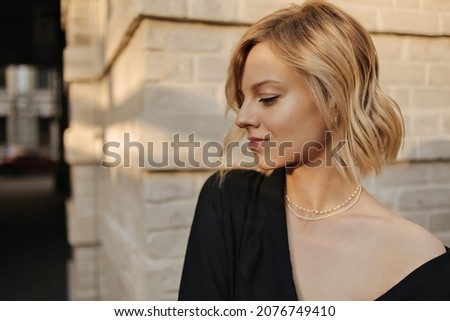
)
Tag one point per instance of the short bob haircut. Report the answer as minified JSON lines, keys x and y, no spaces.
{"x":336,"y":57}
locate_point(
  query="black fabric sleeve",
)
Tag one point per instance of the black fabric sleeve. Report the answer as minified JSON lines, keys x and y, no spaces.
{"x":206,"y":272}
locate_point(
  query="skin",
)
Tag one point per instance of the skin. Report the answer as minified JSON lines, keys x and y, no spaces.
{"x":356,"y":255}
{"x":275,"y":100}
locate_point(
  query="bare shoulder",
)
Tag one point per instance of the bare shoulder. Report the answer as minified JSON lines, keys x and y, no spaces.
{"x":404,"y":239}
{"x":390,"y":247}
{"x":412,"y":239}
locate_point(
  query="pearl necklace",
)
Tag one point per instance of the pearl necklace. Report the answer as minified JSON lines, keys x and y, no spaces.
{"x":315,"y":215}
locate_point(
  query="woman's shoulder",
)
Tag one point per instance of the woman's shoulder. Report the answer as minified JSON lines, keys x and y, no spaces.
{"x":402,"y":241}
{"x":235,"y":193}
{"x":413,"y":239}
{"x":219,"y":191}
{"x":394,"y":246}
{"x":418,"y":259}
{"x":399,"y":233}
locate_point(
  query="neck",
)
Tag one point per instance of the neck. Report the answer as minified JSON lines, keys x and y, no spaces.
{"x":318,"y":188}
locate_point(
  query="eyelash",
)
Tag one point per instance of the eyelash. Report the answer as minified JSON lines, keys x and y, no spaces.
{"x":268,"y":101}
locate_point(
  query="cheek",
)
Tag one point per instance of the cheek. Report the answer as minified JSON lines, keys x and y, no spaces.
{"x":299,"y":124}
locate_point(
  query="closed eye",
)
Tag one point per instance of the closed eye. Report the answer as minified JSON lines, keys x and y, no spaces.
{"x":269,"y":100}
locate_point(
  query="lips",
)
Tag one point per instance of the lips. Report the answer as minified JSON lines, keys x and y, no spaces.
{"x":255,"y":142}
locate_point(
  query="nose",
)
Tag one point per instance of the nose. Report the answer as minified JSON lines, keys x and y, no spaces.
{"x":247,"y":117}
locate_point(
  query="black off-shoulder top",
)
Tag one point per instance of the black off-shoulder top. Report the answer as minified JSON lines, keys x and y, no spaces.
{"x":238,"y":247}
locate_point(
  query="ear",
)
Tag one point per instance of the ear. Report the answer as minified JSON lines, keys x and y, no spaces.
{"x":336,"y":115}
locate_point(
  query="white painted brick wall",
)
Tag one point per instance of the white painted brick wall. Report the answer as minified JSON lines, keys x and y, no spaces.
{"x":407,"y":21}
{"x":167,"y":244}
{"x":211,"y":68}
{"x":430,"y":98}
{"x":83,"y":274}
{"x":402,"y":73}
{"x":439,"y":75}
{"x":162,"y":187}
{"x":413,"y":71}
{"x":164,"y":8}
{"x":160,"y":279}
{"x":168,"y":66}
{"x":82,"y":226}
{"x":425,"y":199}
{"x":185,"y":100}
{"x":413,"y":4}
{"x":445,"y":23}
{"x":213,"y":9}
{"x":169,"y":215}
{"x":436,"y":5}
{"x":428,"y":49}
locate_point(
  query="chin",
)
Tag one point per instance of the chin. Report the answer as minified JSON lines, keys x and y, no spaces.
{"x":269,"y":164}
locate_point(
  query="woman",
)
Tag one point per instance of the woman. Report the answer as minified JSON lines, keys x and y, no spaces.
{"x":304,"y":84}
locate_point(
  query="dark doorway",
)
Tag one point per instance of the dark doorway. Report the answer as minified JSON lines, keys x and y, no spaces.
{"x":33,"y":241}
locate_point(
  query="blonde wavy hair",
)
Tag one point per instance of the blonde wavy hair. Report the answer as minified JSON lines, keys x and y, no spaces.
{"x":336,"y":57}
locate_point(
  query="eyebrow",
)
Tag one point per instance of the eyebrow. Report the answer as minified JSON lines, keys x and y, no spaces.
{"x":262,"y":83}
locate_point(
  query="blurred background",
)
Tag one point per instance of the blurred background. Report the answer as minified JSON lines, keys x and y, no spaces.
{"x":77,"y":74}
{"x":33,"y":175}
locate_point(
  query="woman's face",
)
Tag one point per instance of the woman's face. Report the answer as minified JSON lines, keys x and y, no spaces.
{"x":283,"y":124}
